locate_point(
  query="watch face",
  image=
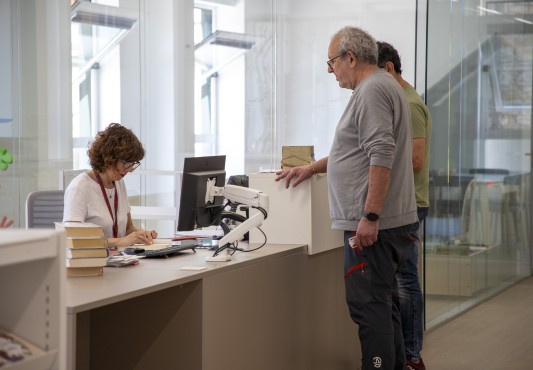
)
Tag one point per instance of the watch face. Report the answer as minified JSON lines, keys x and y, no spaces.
{"x":371,"y":216}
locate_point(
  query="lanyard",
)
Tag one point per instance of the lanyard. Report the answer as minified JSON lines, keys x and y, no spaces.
{"x":115,"y":201}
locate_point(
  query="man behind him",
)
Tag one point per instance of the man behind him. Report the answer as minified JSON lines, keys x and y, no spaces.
{"x":371,"y":193}
{"x":411,"y":299}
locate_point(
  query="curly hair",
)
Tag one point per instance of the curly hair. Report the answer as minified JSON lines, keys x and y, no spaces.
{"x":113,"y":144}
{"x":387,"y":53}
{"x":359,"y":42}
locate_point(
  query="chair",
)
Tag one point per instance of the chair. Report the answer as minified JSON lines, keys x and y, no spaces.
{"x":482,"y":212}
{"x":66,"y":176}
{"x":449,"y":194}
{"x":447,"y":197}
{"x":516,"y":211}
{"x":43,"y":208}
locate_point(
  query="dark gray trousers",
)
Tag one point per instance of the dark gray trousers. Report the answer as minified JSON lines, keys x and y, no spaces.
{"x":372,"y":295}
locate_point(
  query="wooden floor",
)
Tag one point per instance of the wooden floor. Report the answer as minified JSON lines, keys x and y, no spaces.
{"x":496,"y":335}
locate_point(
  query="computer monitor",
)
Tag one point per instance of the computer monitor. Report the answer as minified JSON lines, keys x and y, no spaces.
{"x":194,"y":211}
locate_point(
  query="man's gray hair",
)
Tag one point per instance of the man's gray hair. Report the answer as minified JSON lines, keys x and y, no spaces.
{"x":361,"y":43}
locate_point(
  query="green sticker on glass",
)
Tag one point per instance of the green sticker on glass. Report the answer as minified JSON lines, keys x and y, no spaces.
{"x":6,"y":158}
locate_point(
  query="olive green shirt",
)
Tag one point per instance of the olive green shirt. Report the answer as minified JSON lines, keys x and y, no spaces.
{"x":422,"y":125}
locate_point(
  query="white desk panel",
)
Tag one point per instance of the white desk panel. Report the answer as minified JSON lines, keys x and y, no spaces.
{"x":297,"y":215}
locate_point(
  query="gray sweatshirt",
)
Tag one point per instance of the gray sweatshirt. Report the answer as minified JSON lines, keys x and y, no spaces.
{"x":375,"y":129}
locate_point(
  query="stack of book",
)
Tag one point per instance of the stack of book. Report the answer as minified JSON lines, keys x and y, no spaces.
{"x":86,"y":252}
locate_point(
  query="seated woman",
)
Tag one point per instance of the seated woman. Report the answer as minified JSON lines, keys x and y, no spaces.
{"x":99,"y":195}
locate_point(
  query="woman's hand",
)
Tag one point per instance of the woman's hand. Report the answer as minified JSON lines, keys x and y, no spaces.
{"x":4,"y":222}
{"x":145,"y":237}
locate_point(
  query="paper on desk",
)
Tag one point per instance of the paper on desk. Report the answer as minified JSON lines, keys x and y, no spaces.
{"x":193,"y":268}
{"x":122,"y":260}
{"x":204,"y":233}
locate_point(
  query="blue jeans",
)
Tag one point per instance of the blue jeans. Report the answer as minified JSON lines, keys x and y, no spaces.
{"x":411,"y":299}
{"x":372,"y":295}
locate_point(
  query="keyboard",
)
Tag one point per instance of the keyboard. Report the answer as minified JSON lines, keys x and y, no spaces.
{"x":168,"y":251}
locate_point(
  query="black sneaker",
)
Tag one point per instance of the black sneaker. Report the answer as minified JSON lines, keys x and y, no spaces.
{"x":410,"y":365}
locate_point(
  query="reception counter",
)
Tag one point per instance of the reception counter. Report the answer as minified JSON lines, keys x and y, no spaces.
{"x":274,"y":308}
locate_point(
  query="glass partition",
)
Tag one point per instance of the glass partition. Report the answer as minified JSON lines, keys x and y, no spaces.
{"x":479,"y":93}
{"x":34,"y":102}
{"x":97,"y":30}
{"x":8,"y":181}
{"x":211,"y":77}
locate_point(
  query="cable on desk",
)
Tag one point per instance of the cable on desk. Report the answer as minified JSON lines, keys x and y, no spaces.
{"x":234,"y":246}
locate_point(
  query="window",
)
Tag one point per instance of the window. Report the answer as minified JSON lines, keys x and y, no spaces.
{"x":220,"y":47}
{"x":97,"y":30}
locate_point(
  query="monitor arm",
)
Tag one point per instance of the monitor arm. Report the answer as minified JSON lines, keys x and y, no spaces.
{"x":238,"y":194}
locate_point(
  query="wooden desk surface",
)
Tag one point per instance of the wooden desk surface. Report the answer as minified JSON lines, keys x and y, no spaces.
{"x":121,"y":283}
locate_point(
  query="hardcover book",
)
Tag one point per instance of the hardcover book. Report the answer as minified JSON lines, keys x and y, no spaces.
{"x":86,"y":252}
{"x":86,"y":242}
{"x":80,"y":229}
{"x":85,"y":271}
{"x":86,"y":262}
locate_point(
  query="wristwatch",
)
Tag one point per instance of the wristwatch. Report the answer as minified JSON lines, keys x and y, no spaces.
{"x":370,"y":216}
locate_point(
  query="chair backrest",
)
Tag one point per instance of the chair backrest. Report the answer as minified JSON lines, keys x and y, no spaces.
{"x":448,"y":194}
{"x":43,"y":208}
{"x":66,"y":176}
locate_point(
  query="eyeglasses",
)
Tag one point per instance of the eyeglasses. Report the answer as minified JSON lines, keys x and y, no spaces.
{"x":131,"y":166}
{"x":330,"y":62}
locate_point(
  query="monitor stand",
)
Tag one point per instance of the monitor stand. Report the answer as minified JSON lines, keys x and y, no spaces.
{"x":223,"y":257}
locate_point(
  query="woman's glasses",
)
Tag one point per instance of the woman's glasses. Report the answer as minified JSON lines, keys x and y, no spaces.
{"x":130,"y":166}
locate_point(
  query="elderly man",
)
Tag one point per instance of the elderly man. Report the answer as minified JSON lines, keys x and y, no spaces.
{"x":371,"y":193}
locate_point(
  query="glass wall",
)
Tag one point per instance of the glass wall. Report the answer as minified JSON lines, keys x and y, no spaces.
{"x":9,"y":204}
{"x":479,"y":73}
{"x":206,"y":77}
{"x":291,"y":99}
{"x":234,"y":77}
{"x":99,"y":29}
{"x":35,"y":118}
